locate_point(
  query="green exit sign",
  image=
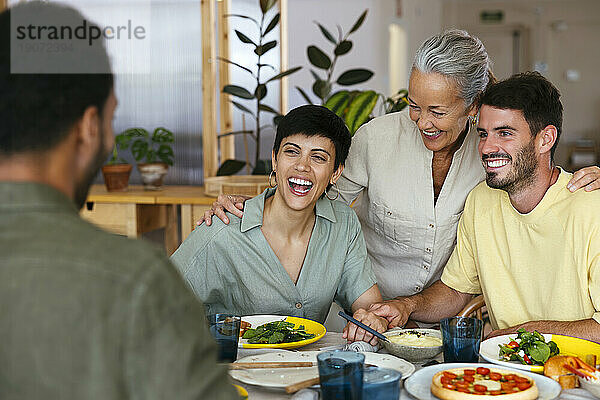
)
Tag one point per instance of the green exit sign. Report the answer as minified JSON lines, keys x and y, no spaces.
{"x":494,"y":16}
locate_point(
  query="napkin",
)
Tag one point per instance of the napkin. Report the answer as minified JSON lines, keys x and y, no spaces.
{"x":362,"y":347}
{"x":306,"y":394}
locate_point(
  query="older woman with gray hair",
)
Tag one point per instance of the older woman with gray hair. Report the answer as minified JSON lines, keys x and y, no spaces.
{"x":409,"y":173}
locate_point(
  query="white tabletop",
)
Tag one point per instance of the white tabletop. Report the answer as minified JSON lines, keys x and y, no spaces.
{"x":332,"y":340}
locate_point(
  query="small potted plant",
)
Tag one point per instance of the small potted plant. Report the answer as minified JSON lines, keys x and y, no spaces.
{"x":116,"y":171}
{"x":153,"y":154}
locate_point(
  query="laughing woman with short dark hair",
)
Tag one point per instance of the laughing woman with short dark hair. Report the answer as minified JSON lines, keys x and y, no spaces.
{"x":294,"y":251}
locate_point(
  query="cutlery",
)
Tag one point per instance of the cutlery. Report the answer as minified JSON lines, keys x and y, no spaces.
{"x":361,"y":325}
{"x":280,"y":364}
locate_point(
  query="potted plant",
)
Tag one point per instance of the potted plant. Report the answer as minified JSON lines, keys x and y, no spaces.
{"x":153,"y":153}
{"x":116,"y":171}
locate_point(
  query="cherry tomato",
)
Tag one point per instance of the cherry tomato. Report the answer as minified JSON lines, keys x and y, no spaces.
{"x":495,"y":392}
{"x":527,"y":360}
{"x":509,"y":377}
{"x":495,"y":376}
{"x":507,"y":386}
{"x":513,"y":344}
{"x":523,"y":385}
{"x":450,"y":375}
{"x":445,"y":380}
{"x":483,"y":370}
{"x":470,"y":372}
{"x":463,"y":390}
{"x":464,"y":385}
{"x":469,"y":378}
{"x":451,"y":387}
{"x":520,"y":379}
{"x":480,"y":388}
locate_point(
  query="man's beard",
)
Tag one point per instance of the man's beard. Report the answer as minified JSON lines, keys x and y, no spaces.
{"x":521,"y":174}
{"x":82,"y":188}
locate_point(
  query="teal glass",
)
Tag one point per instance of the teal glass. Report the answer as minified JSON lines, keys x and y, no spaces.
{"x":341,"y":375}
{"x":461,"y":338}
{"x":225,"y":329}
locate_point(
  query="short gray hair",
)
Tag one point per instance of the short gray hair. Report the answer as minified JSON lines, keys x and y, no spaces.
{"x":459,"y":56}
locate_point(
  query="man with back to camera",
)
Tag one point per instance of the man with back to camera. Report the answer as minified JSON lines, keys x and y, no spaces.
{"x":524,"y":241}
{"x":85,"y":314}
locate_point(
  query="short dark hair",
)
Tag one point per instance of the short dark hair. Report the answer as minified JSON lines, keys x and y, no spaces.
{"x":38,"y":110}
{"x":534,"y":95}
{"x":311,"y":120}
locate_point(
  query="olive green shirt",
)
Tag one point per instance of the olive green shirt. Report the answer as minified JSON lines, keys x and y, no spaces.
{"x":85,"y":314}
{"x":233,"y":269}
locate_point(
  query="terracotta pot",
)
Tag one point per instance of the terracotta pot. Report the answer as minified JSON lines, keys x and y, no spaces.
{"x":153,"y":174}
{"x":116,"y":177}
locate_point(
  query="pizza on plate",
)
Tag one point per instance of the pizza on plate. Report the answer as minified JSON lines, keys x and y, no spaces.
{"x":471,"y":383}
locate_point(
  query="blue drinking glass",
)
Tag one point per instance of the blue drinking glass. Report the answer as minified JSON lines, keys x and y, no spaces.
{"x":225,"y":328}
{"x":341,"y":375}
{"x":461,"y":338}
{"x":381,"y":384}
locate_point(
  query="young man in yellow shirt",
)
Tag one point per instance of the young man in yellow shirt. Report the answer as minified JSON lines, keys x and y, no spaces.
{"x":524,"y":241}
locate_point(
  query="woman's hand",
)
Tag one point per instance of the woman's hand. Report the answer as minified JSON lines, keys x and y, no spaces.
{"x":396,"y":311}
{"x":225,"y":202}
{"x":353,"y":333}
{"x":587,"y":178}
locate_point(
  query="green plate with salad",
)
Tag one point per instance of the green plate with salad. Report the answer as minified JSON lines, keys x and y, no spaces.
{"x":529,"y":351}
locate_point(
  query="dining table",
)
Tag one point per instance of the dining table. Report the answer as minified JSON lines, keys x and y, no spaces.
{"x":334,"y":340}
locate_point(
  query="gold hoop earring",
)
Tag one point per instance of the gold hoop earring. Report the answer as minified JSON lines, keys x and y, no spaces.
{"x":337,"y":191}
{"x":475,"y":119}
{"x":271,"y":176}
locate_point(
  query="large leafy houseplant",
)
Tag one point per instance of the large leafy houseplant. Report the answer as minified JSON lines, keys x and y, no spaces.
{"x":257,"y":94}
{"x":354,"y":106}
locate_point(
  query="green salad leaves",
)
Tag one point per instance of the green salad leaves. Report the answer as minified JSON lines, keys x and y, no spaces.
{"x":529,"y":348}
{"x":277,"y":332}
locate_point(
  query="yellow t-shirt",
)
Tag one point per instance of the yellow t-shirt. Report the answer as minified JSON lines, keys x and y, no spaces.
{"x":543,"y":265}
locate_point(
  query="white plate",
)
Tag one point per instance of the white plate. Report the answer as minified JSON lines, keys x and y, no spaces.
{"x":282,"y":377}
{"x":418,"y":385}
{"x":489,"y":351}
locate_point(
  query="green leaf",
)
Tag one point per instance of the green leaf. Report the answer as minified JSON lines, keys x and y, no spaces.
{"x":264,"y":107}
{"x":262,"y":167}
{"x":230,"y":167}
{"x":343,"y":48}
{"x":354,"y":76}
{"x":276,"y":337}
{"x":360,"y":109}
{"x":165,"y":153}
{"x":162,"y":135}
{"x":539,"y":351}
{"x":242,"y":107}
{"x":338,"y":102}
{"x":321,"y":89}
{"x":303,"y":94}
{"x":261,"y":91}
{"x":285,"y":73}
{"x":326,"y":33}
{"x":238,"y":91}
{"x":260,"y":50}
{"x":318,"y":58}
{"x":244,"y":38}
{"x":272,"y":24}
{"x":139,"y":149}
{"x":242,"y":16}
{"x":236,"y":64}
{"x":359,"y":21}
{"x":266,"y":5}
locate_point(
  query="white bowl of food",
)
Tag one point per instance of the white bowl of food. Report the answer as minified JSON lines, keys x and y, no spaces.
{"x":414,"y":344}
{"x":591,"y":385}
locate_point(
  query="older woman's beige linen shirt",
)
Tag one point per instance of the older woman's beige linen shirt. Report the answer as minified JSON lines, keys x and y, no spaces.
{"x":388,"y":172}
